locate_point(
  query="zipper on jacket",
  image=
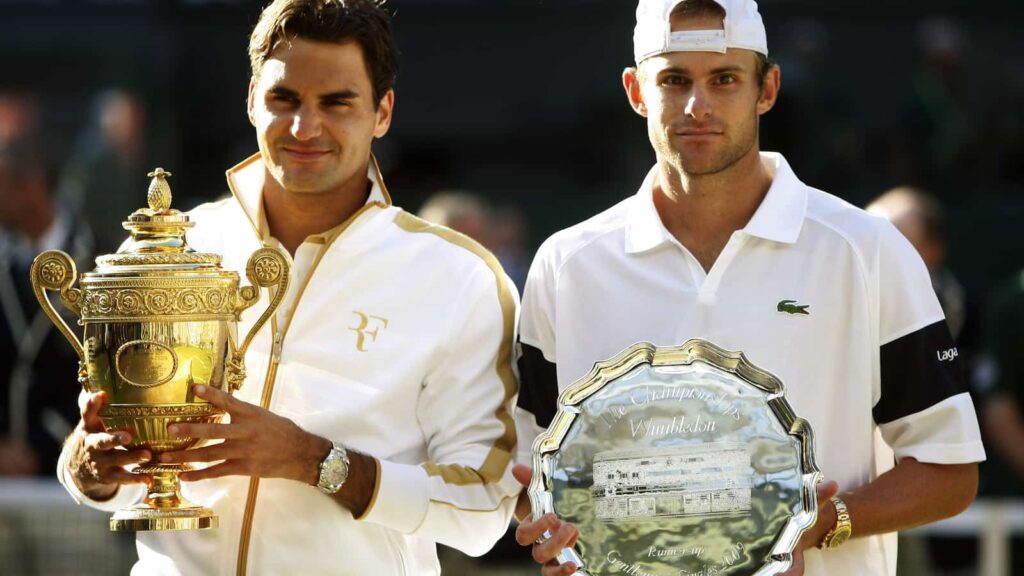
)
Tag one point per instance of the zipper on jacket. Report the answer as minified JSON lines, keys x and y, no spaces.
{"x":254,"y":482}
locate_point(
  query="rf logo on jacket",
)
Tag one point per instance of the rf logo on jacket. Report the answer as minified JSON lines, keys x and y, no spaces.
{"x":363,"y":329}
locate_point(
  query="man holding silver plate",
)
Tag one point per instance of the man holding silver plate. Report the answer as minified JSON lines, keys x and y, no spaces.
{"x":675,"y":457}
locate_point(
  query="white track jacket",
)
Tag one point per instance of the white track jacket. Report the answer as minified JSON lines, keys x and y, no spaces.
{"x":395,"y":339}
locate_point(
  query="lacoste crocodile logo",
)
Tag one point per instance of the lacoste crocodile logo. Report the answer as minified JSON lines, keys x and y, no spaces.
{"x":791,"y":307}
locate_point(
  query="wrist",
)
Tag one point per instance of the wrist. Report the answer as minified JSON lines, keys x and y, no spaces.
{"x":319,"y":448}
{"x":841,"y":527}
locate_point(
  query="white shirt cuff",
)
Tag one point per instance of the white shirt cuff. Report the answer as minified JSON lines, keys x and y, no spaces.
{"x":401,"y":497}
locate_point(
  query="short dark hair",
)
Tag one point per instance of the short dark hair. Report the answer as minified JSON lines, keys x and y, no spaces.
{"x":365,"y":22}
{"x":699,"y":8}
{"x":710,"y":8}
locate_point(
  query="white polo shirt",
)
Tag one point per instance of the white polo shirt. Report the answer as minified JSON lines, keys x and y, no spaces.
{"x":833,"y":301}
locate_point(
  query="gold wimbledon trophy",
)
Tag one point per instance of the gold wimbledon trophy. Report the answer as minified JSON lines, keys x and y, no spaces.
{"x":159,"y":317}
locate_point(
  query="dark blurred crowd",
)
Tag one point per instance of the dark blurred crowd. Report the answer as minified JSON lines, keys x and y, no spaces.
{"x":47,"y":204}
{"x":942,"y":139}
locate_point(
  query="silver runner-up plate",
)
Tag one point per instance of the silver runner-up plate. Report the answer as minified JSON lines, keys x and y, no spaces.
{"x":681,"y":461}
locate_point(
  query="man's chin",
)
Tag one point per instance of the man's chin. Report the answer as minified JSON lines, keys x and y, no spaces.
{"x":303,"y":183}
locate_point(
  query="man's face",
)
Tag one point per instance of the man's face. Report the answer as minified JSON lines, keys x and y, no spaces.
{"x":313,"y":109}
{"x":702,"y":108}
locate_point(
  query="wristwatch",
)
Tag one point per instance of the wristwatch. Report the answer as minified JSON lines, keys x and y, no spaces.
{"x":333,"y":470}
{"x":839,"y":533}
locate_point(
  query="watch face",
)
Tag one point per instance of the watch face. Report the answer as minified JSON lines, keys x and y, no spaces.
{"x":335,"y":471}
{"x":839,"y":538}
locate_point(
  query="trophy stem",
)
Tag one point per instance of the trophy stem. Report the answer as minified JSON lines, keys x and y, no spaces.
{"x":164,"y":508}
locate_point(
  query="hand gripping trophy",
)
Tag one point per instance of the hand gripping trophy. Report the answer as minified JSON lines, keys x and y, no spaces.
{"x":158,"y":318}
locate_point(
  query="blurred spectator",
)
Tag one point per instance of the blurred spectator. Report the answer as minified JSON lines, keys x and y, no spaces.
{"x":1004,"y":406}
{"x":105,"y":180}
{"x":501,"y":231}
{"x":919,"y":216}
{"x":37,"y":365}
{"x":509,"y":241}
{"x":461,"y":211}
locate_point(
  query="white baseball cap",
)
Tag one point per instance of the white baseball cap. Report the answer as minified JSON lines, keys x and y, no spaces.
{"x":653,"y":34}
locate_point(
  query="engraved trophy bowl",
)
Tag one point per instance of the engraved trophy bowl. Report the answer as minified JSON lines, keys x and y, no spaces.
{"x":677,"y":461}
{"x":157,"y":318}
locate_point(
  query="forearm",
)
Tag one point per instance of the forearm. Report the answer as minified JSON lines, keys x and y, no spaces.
{"x":909,"y":495}
{"x":357,"y":491}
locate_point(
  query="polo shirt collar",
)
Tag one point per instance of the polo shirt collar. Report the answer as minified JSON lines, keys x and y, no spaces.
{"x":779,"y":218}
{"x":644,"y":228}
{"x":246,"y":183}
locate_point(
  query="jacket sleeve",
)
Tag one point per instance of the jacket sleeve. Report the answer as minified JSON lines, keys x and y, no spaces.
{"x":464,"y":495}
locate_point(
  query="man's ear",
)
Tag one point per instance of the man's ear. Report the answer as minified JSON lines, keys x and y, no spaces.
{"x":770,"y":90}
{"x":631,"y":83}
{"x":385,"y":111}
{"x":249,"y":103}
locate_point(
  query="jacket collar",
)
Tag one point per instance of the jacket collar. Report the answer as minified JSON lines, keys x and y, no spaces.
{"x":246,"y":183}
{"x":779,"y":218}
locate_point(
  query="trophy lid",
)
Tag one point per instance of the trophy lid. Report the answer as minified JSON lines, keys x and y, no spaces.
{"x":158,"y":236}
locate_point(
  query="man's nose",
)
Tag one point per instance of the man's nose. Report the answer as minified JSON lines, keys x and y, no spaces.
{"x":698,"y":106}
{"x":306,"y":124}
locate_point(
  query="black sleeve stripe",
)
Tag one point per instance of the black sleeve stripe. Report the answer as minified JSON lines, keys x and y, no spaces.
{"x":538,"y":386}
{"x":919,"y":370}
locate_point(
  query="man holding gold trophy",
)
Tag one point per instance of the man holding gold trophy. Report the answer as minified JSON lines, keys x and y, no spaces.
{"x":374,"y":418}
{"x":723,"y":242}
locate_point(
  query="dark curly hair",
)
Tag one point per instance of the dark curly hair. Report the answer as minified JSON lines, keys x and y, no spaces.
{"x":365,"y":22}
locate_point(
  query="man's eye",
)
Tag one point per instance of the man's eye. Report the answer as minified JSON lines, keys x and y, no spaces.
{"x":727,"y":79}
{"x":672,"y":81}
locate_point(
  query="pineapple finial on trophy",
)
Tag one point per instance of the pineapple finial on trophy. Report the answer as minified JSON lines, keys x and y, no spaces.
{"x":159,"y":195}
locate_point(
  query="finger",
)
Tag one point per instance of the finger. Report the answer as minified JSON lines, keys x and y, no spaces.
{"x":523,"y":507}
{"x":212,"y":453}
{"x":522,"y":473}
{"x":229,"y":468}
{"x":103,"y":441}
{"x":121,"y":458}
{"x":827,"y":490}
{"x":207,"y":431}
{"x":529,"y":530}
{"x":91,"y":412}
{"x":552,"y":547}
{"x":221,"y":399}
{"x":556,"y":569}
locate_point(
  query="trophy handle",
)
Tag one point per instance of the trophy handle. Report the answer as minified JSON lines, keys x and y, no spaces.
{"x":267,"y":267}
{"x":55,"y":270}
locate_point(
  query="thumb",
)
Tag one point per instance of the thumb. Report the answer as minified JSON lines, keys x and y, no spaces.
{"x":91,"y":412}
{"x":827,"y":490}
{"x":522,"y":473}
